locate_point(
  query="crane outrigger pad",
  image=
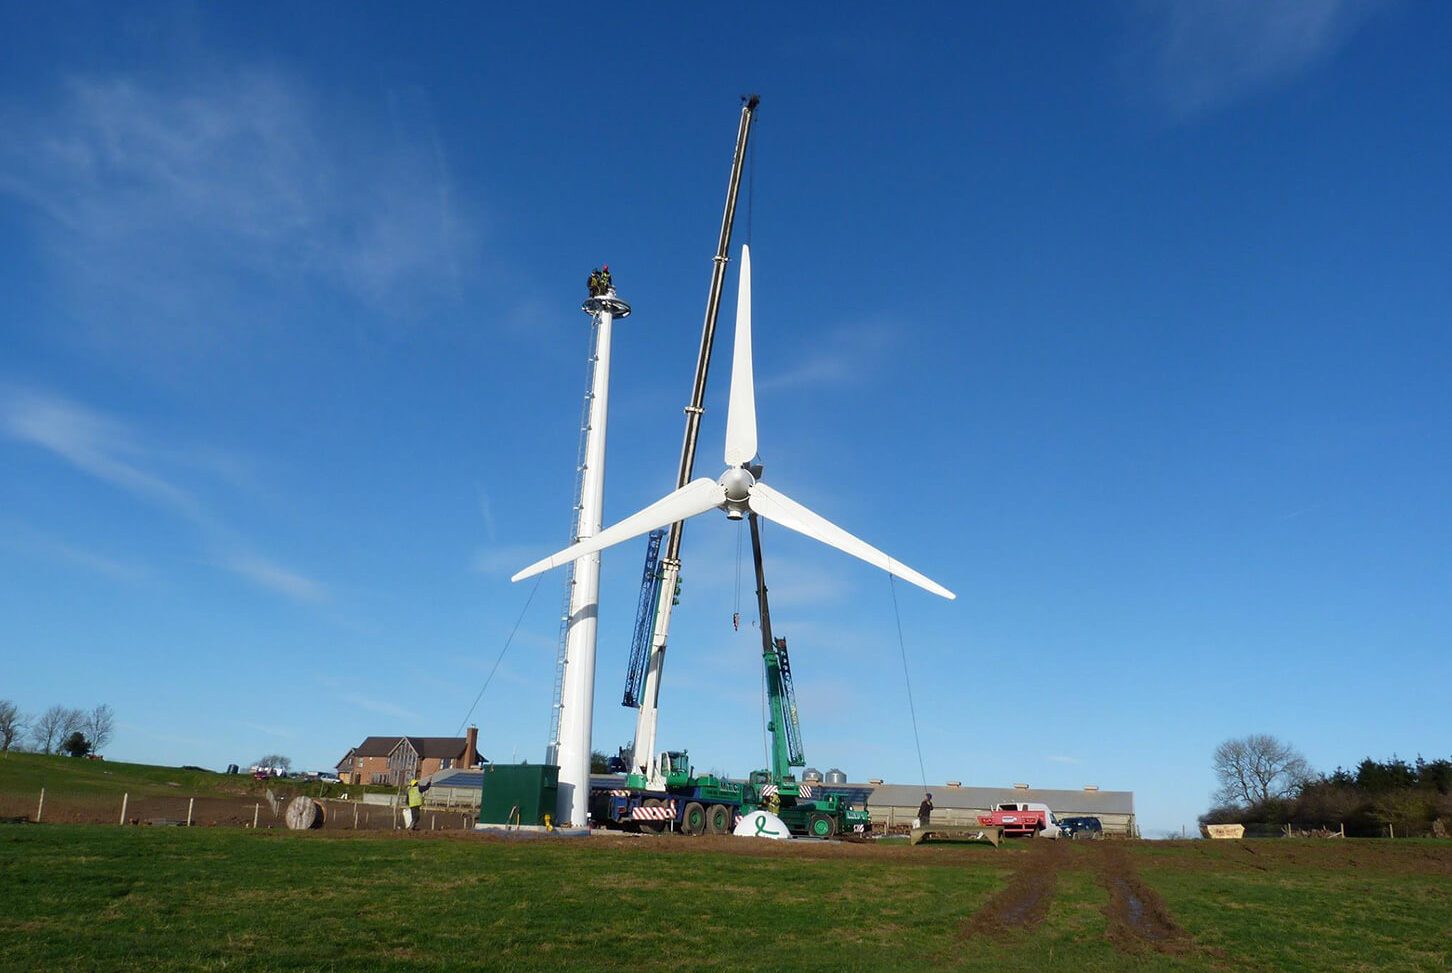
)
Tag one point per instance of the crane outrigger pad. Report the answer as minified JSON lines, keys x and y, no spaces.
{"x":963,"y":832}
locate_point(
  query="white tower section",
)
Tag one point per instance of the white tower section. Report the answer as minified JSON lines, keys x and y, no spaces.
{"x":577,"y":700}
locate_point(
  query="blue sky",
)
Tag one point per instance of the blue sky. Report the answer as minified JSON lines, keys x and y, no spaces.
{"x":1129,"y":322}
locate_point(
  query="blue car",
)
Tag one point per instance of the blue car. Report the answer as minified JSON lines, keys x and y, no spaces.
{"x":1083,"y":827}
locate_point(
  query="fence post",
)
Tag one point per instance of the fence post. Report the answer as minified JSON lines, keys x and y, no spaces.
{"x":41,"y":807}
{"x":256,"y":810}
{"x":191,"y":801}
{"x":355,"y":815}
{"x":124,"y":798}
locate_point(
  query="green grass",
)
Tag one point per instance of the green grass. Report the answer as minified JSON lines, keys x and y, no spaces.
{"x":109,"y":898}
{"x":24,"y":774}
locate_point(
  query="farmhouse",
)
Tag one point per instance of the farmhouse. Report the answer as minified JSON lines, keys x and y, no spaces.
{"x":393,"y":760}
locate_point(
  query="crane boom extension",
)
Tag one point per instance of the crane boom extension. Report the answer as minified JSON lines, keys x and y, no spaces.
{"x":786,"y":730}
{"x":645,"y":758}
{"x":644,"y":615}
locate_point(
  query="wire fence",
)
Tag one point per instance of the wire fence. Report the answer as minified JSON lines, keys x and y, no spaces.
{"x":381,"y":813}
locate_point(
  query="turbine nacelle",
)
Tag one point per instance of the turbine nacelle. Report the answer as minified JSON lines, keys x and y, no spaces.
{"x":739,"y":491}
{"x":737,"y":483}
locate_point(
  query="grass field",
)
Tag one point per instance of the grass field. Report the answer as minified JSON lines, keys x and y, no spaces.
{"x":91,"y":791}
{"x":110,"y":898}
{"x":24,"y":774}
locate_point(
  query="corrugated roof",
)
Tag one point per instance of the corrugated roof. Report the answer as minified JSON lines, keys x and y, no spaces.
{"x":981,"y":798}
{"x":457,"y":777}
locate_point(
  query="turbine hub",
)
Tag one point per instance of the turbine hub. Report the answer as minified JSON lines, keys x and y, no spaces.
{"x":737,"y":482}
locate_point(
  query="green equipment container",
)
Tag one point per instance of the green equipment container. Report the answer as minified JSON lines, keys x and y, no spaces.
{"x":519,"y":794}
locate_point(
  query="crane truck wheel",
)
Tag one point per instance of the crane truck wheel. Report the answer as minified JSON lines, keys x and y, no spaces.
{"x":694,"y":820}
{"x":652,"y":826}
{"x":821,"y":826}
{"x":718,"y":819}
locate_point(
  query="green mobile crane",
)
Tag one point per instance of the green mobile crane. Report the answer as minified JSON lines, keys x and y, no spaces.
{"x":777,"y":789}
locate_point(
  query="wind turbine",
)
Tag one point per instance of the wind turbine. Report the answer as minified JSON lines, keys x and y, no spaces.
{"x":739,"y":489}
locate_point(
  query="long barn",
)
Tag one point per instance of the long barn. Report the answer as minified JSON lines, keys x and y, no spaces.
{"x":889,"y":804}
{"x":895,"y":804}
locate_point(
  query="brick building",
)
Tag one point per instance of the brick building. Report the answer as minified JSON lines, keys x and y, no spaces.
{"x":392,"y":760}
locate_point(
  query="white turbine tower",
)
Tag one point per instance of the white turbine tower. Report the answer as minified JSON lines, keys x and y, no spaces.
{"x":738,"y":490}
{"x":577,"y":694}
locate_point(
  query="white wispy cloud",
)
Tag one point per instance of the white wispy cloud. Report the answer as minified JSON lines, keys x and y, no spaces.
{"x":111,"y":567}
{"x":265,"y":573}
{"x":1060,"y":759}
{"x":93,"y":443}
{"x":24,"y":538}
{"x":269,"y":730}
{"x":840,"y":357}
{"x":112,"y":451}
{"x":1205,"y":53}
{"x":505,"y":559}
{"x":486,"y":510}
{"x":168,"y":204}
{"x":381,"y":706}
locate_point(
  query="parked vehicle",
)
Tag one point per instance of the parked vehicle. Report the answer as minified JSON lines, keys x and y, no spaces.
{"x":1082,"y":827}
{"x":707,"y":804}
{"x":1022,"y":820}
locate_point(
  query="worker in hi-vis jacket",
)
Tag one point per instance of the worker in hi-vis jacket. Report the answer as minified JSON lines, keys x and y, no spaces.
{"x":414,"y":811}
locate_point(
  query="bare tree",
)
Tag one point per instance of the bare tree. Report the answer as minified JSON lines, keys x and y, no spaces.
{"x":12,"y":722}
{"x":1258,"y":768}
{"x":100,"y":725}
{"x":45,"y":730}
{"x":74,"y":721}
{"x":274,"y":761}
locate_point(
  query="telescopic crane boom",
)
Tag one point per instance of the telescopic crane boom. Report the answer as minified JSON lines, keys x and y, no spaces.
{"x":645,"y":758}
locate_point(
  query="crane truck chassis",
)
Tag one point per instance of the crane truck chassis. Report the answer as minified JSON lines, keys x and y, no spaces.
{"x":709,"y":804}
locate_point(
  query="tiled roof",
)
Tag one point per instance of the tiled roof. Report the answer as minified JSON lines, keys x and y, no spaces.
{"x":377,"y":746}
{"x":440,"y":747}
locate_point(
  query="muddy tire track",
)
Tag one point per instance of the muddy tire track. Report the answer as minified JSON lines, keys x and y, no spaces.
{"x":1138,"y":917}
{"x":1024,"y":903}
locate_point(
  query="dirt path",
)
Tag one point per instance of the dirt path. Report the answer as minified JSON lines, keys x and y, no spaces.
{"x":1024,"y":903}
{"x":1138,"y":917}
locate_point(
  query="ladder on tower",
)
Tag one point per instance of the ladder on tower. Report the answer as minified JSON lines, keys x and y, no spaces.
{"x":552,"y":746}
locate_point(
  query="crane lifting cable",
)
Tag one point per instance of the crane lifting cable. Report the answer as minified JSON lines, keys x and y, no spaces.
{"x":912,"y":710}
{"x":490,"y":678}
{"x":736,"y":601}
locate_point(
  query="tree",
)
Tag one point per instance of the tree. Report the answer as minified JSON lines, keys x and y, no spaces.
{"x":45,"y":731}
{"x":275,"y":761}
{"x":76,"y":744}
{"x":100,"y":724}
{"x":1258,"y":768}
{"x":72,"y":721}
{"x":12,"y":722}
{"x":1378,"y":776}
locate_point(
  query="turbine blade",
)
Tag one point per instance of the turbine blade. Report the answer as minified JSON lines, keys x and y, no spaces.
{"x":741,"y":409}
{"x":781,"y":509}
{"x":695,"y":497}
